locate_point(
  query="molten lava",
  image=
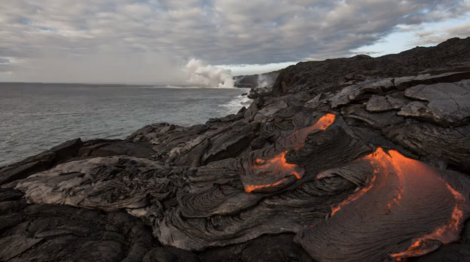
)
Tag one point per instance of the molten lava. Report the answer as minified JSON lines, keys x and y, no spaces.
{"x":299,"y":136}
{"x":410,"y":171}
{"x":404,"y":200}
{"x":252,"y":188}
{"x":449,"y":231}
{"x":445,"y":234}
{"x":277,"y":167}
{"x":279,"y":162}
{"x":353,"y":197}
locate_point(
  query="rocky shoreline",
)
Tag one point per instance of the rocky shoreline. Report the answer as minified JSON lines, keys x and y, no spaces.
{"x":352,"y":159}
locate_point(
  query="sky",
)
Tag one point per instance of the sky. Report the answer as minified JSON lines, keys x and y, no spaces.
{"x":149,"y":41}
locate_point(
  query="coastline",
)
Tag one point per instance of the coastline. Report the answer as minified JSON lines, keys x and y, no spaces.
{"x":36,"y":118}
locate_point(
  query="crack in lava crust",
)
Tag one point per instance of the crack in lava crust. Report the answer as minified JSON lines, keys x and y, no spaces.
{"x":406,"y":209}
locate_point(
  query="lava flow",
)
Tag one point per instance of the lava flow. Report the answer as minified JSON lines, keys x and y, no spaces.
{"x":353,"y":197}
{"x":298,"y":137}
{"x":278,"y":162}
{"x":404,"y":200}
{"x":276,"y":170}
{"x":446,"y":233}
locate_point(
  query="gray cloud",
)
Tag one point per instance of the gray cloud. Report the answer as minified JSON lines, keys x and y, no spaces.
{"x":125,"y":40}
{"x":4,"y":61}
{"x":440,"y":35}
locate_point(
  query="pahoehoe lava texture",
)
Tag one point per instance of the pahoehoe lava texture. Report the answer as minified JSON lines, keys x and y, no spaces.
{"x":406,"y":209}
{"x":358,"y":159}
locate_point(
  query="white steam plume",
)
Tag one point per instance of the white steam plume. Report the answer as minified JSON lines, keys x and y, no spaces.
{"x":200,"y":73}
{"x":263,"y":81}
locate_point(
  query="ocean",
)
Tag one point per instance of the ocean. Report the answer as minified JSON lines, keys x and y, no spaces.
{"x":36,"y":117}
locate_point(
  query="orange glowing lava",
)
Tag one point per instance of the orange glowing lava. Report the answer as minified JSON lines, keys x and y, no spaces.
{"x":278,"y":162}
{"x":251,"y":188}
{"x":278,"y":165}
{"x":353,"y":197}
{"x":410,"y":175}
{"x":322,"y":124}
{"x":300,"y":135}
{"x":446,"y":234}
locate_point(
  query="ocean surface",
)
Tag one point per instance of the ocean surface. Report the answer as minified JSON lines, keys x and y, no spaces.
{"x":36,"y":117}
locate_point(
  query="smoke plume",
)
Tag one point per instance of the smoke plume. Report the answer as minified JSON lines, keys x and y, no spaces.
{"x":200,"y":73}
{"x":265,"y":80}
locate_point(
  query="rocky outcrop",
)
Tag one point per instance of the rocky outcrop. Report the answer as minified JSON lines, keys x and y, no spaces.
{"x":360,"y":159}
{"x":71,"y":150}
{"x":63,"y":233}
{"x":40,"y":162}
{"x":333,"y":74}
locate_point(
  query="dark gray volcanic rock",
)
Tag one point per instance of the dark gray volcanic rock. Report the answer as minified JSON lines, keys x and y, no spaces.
{"x":444,"y":103}
{"x":256,"y":81}
{"x":62,"y":233}
{"x":40,"y":162}
{"x":71,"y":150}
{"x":248,"y":81}
{"x":358,"y":159}
{"x":101,"y":148}
{"x":333,"y":74}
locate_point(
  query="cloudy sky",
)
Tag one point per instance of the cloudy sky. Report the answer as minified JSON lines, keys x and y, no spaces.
{"x":131,"y":41}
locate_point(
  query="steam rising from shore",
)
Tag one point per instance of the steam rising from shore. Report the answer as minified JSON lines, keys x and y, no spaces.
{"x":200,"y":73}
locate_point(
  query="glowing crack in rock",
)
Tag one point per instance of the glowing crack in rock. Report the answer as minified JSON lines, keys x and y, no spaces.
{"x":353,"y":197}
{"x":278,"y":164}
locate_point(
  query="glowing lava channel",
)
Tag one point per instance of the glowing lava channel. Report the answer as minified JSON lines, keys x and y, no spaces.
{"x":278,"y":164}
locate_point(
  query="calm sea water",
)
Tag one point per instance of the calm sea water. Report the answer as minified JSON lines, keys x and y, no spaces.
{"x":36,"y":117}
